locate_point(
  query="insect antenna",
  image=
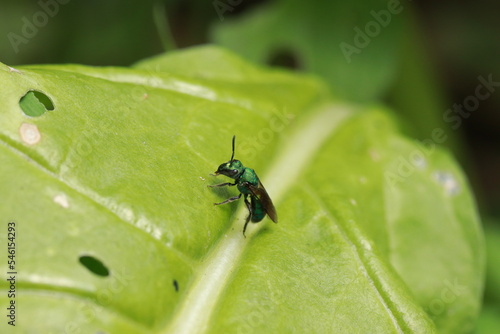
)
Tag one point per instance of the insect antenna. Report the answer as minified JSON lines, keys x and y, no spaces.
{"x":232,"y":156}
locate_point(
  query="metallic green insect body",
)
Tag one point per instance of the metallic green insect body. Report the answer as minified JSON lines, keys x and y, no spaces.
{"x":249,"y":185}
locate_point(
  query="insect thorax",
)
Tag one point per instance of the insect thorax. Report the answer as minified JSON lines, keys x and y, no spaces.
{"x":249,"y":176}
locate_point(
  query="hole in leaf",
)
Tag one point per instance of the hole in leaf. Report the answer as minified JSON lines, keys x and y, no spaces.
{"x":284,"y":58}
{"x":35,"y":103}
{"x":94,"y":265}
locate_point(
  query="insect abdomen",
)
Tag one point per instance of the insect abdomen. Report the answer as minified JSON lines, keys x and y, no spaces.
{"x":258,"y":212}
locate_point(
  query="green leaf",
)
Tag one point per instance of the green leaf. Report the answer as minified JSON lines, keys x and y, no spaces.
{"x":488,"y":321}
{"x":116,"y":231}
{"x":493,"y":259}
{"x":417,"y":94}
{"x":352,"y":45}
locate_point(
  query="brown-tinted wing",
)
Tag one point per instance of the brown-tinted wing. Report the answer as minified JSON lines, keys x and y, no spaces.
{"x":267,"y":203}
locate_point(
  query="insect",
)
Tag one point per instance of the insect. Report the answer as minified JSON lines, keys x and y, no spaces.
{"x":249,"y":185}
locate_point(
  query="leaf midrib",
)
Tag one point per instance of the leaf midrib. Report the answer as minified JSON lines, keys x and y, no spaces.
{"x":195,"y":310}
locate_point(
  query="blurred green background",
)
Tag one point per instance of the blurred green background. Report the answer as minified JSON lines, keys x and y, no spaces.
{"x":422,"y":58}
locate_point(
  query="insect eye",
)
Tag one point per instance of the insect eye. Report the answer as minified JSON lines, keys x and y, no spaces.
{"x":235,"y":171}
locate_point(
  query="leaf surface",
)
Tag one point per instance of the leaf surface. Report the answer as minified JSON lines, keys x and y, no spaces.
{"x":375,"y":233}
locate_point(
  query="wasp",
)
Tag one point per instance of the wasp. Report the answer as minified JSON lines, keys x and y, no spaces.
{"x":257,"y":201}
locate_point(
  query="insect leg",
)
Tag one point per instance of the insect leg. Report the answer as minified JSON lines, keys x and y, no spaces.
{"x":229,"y":200}
{"x":221,"y":184}
{"x":249,"y":214}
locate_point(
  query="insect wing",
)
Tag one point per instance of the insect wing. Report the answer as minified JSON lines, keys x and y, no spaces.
{"x":261,"y":193}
